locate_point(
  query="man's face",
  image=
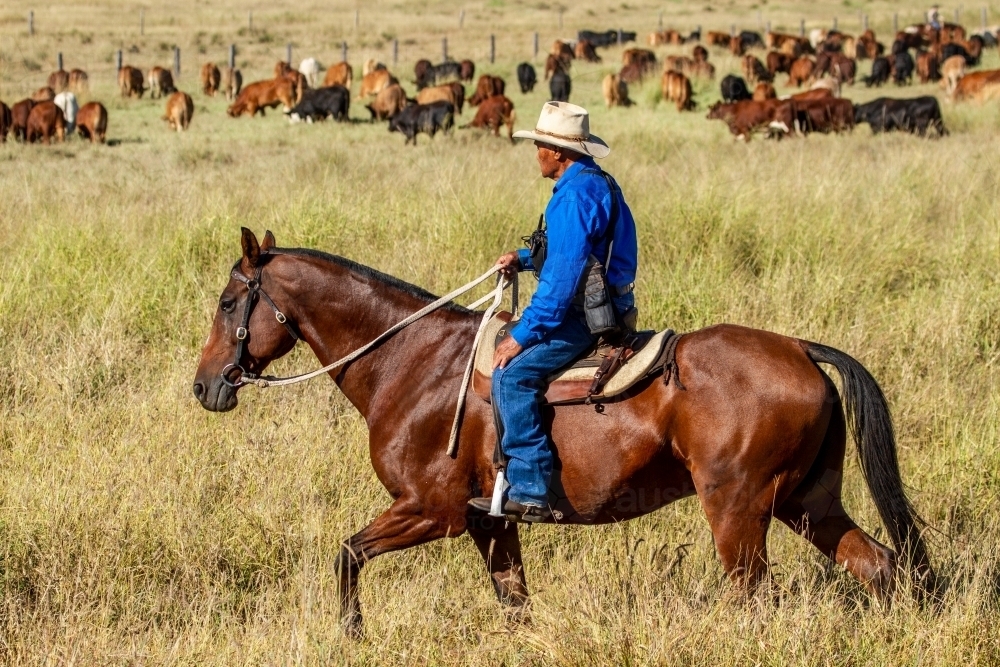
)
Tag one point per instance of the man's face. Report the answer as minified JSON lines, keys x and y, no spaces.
{"x":549,"y":159}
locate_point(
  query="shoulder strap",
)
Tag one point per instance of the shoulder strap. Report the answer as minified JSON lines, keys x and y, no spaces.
{"x":609,"y":232}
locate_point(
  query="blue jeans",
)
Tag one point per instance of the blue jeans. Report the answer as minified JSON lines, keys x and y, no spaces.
{"x":518,"y":391}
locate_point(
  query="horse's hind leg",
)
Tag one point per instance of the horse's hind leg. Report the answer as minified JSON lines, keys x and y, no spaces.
{"x":814,"y":510}
{"x":500,"y":546}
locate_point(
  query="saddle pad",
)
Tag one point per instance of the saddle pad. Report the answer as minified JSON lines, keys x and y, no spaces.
{"x":566,"y":385}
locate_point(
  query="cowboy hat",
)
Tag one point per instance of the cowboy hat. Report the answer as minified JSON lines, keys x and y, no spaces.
{"x":567,"y":126}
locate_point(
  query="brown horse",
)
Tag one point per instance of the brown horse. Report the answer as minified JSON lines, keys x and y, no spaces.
{"x":752,"y":426}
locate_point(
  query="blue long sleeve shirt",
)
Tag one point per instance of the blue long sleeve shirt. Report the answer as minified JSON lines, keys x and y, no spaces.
{"x":577,"y":219}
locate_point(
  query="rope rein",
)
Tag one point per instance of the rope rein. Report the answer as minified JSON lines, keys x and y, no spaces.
{"x":496,"y":295}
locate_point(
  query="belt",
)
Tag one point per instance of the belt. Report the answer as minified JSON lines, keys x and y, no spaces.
{"x":623,"y":290}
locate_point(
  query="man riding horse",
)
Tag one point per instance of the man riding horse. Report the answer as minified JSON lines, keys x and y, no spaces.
{"x":590,"y":234}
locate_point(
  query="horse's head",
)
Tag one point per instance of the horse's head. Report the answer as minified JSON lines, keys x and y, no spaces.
{"x":249,"y":331}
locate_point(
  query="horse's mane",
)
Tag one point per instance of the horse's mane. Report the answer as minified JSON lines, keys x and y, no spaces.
{"x":368,"y":272}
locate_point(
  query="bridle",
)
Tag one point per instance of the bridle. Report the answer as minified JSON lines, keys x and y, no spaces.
{"x":254,"y":290}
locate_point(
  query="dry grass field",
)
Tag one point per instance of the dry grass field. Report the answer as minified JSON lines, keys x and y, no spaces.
{"x":136,"y":528}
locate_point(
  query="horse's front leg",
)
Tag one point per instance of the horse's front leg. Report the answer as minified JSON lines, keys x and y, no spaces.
{"x":500,"y":546}
{"x":405,"y":524}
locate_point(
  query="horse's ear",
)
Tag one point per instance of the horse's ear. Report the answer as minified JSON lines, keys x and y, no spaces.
{"x":268,"y":241}
{"x":251,"y":249}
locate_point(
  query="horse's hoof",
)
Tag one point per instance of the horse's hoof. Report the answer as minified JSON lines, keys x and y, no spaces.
{"x":353,"y":627}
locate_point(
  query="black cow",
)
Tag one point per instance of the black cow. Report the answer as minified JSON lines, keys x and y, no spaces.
{"x":426,"y":118}
{"x":952,"y":49}
{"x":422,"y":73}
{"x":899,"y":46}
{"x":734,"y":89}
{"x":904,"y":68}
{"x":881,"y":71}
{"x":320,"y":103}
{"x":526,"y":77}
{"x":559,"y":87}
{"x":751,"y":40}
{"x":450,"y":69}
{"x":908,"y":115}
{"x":989,"y":40}
{"x":607,"y":38}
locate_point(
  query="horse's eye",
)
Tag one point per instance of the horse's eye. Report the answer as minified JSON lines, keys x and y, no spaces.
{"x":227,"y":305}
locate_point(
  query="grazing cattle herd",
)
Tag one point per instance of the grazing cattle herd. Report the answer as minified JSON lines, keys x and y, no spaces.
{"x":824,"y":62}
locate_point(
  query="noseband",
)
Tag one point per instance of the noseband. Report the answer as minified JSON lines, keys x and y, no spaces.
{"x":254,"y":290}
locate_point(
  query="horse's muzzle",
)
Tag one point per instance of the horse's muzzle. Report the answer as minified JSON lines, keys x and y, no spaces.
{"x":215,"y":395}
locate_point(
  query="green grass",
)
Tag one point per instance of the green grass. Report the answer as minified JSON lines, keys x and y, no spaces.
{"x":137,"y":528}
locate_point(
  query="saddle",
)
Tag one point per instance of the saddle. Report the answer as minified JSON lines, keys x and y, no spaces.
{"x":601,"y":374}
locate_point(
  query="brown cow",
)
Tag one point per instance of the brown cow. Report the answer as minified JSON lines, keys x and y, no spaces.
{"x":754,"y":70}
{"x":677,"y":88}
{"x":645,"y":58}
{"x":466,"y":71}
{"x":92,"y":122}
{"x":665,"y":37}
{"x":161,"y":83}
{"x":978,"y":86}
{"x":764,"y":91}
{"x":813,"y":94}
{"x":374,"y":82}
{"x":45,"y":121}
{"x":494,"y":112}
{"x":562,"y":51}
{"x":130,"y":82}
{"x":281,"y":68}
{"x":928,"y":66}
{"x":299,"y":83}
{"x":952,"y":70}
{"x":779,"y":62}
{"x":5,"y":122}
{"x":699,"y":53}
{"x":339,"y":74}
{"x":555,"y":64}
{"x":389,"y":102}
{"x":699,"y":69}
{"x":615,"y":92}
{"x":827,"y":83}
{"x":368,"y":67}
{"x":45,"y":94}
{"x":59,"y":80}
{"x":677,"y":63}
{"x":800,"y":71}
{"x":715,"y":38}
{"x":211,"y":77}
{"x":824,"y":115}
{"x":487,"y":87}
{"x":232,"y":81}
{"x":585,"y":51}
{"x":79,"y":82}
{"x":746,"y":116}
{"x":19,"y":118}
{"x":632,"y":73}
{"x":180,"y":109}
{"x":261,"y":95}
{"x":443,"y":93}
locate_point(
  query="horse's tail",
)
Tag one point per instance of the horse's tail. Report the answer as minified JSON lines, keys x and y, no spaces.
{"x":871,"y":427}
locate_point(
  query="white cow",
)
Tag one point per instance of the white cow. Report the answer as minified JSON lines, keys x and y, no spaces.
{"x":67,"y":102}
{"x":310,"y":69}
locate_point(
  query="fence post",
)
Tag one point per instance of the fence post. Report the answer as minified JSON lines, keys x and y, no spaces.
{"x":732,"y":30}
{"x":802,"y":27}
{"x":982,"y":17}
{"x":288,"y":53}
{"x":536,"y":44}
{"x":357,"y":18}
{"x":958,"y":16}
{"x":250,"y":21}
{"x":59,"y":61}
{"x":232,"y":56}
{"x":895,"y":23}
{"x":760,"y":20}
{"x":560,"y":17}
{"x":461,"y":19}
{"x":493,"y":48}
{"x":834,"y":22}
{"x":660,"y":23}
{"x":865,"y":22}
{"x":619,"y":36}
{"x":118,"y":60}
{"x":395,"y":52}
{"x":444,"y":49}
{"x":31,"y":22}
{"x":142,"y":21}
{"x":343,"y":51}
{"x":177,"y":62}
{"x":769,"y":26}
